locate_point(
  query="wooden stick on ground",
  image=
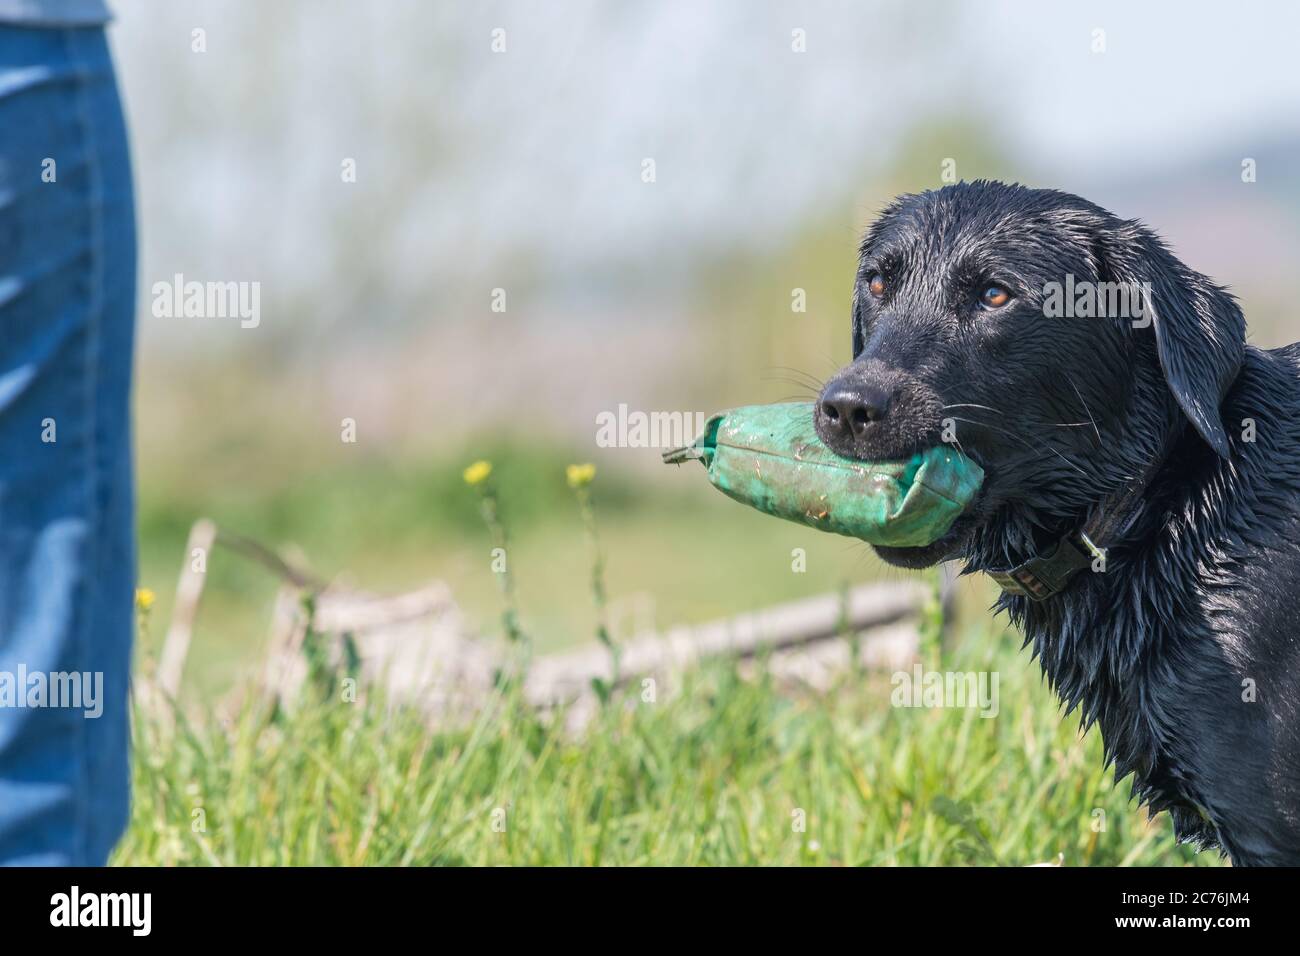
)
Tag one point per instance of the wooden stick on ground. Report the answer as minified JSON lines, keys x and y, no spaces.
{"x":176,"y":645}
{"x":564,"y":676}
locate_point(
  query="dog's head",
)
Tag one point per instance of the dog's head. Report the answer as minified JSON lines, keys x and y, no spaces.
{"x":1052,"y":342}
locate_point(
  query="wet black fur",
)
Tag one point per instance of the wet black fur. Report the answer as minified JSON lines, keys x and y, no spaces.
{"x":1201,"y":597}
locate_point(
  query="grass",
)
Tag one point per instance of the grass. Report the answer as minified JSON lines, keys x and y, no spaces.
{"x":716,"y":769}
{"x":721,"y":771}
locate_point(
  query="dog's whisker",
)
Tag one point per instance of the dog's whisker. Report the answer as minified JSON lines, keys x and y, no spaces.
{"x":834,"y":365}
{"x":787,"y":381}
{"x":811,"y":389}
{"x":1086,"y":410}
{"x":808,"y":378}
{"x":1011,"y":434}
{"x":1067,"y":461}
{"x":995,"y":411}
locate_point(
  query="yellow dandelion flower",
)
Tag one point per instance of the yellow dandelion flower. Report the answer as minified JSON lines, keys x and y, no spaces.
{"x":144,"y":598}
{"x":579,"y":476}
{"x":477,"y":473}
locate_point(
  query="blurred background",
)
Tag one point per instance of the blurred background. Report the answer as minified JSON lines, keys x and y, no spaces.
{"x":477,"y":227}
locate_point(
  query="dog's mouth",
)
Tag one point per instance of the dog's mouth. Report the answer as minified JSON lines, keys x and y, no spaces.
{"x":909,"y":436}
{"x":949,"y":544}
{"x":925,"y":556}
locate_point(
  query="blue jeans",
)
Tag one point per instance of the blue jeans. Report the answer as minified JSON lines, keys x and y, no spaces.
{"x":67,"y":547}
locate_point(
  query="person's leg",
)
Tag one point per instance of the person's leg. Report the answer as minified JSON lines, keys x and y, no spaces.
{"x":67,"y":554}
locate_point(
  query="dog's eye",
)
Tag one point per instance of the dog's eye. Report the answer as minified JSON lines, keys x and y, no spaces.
{"x":994,"y":297}
{"x":876,"y":285}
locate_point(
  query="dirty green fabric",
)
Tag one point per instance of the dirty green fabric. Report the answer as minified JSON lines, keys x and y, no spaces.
{"x":770,"y":458}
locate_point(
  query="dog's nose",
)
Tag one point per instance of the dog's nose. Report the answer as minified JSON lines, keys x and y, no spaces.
{"x":849,"y":409}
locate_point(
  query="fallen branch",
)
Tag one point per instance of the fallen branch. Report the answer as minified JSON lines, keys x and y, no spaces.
{"x":417,"y":647}
{"x":559,"y":677}
{"x":176,"y":645}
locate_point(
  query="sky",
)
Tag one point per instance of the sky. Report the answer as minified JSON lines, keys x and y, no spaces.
{"x":1175,"y":77}
{"x":480,"y":166}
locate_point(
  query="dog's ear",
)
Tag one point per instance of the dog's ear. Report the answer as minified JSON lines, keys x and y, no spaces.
{"x":1200,"y":332}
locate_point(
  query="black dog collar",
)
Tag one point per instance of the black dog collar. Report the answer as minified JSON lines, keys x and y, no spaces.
{"x":1045,"y":575}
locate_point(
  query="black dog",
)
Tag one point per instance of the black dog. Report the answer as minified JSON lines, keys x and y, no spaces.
{"x":1141,"y":506}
